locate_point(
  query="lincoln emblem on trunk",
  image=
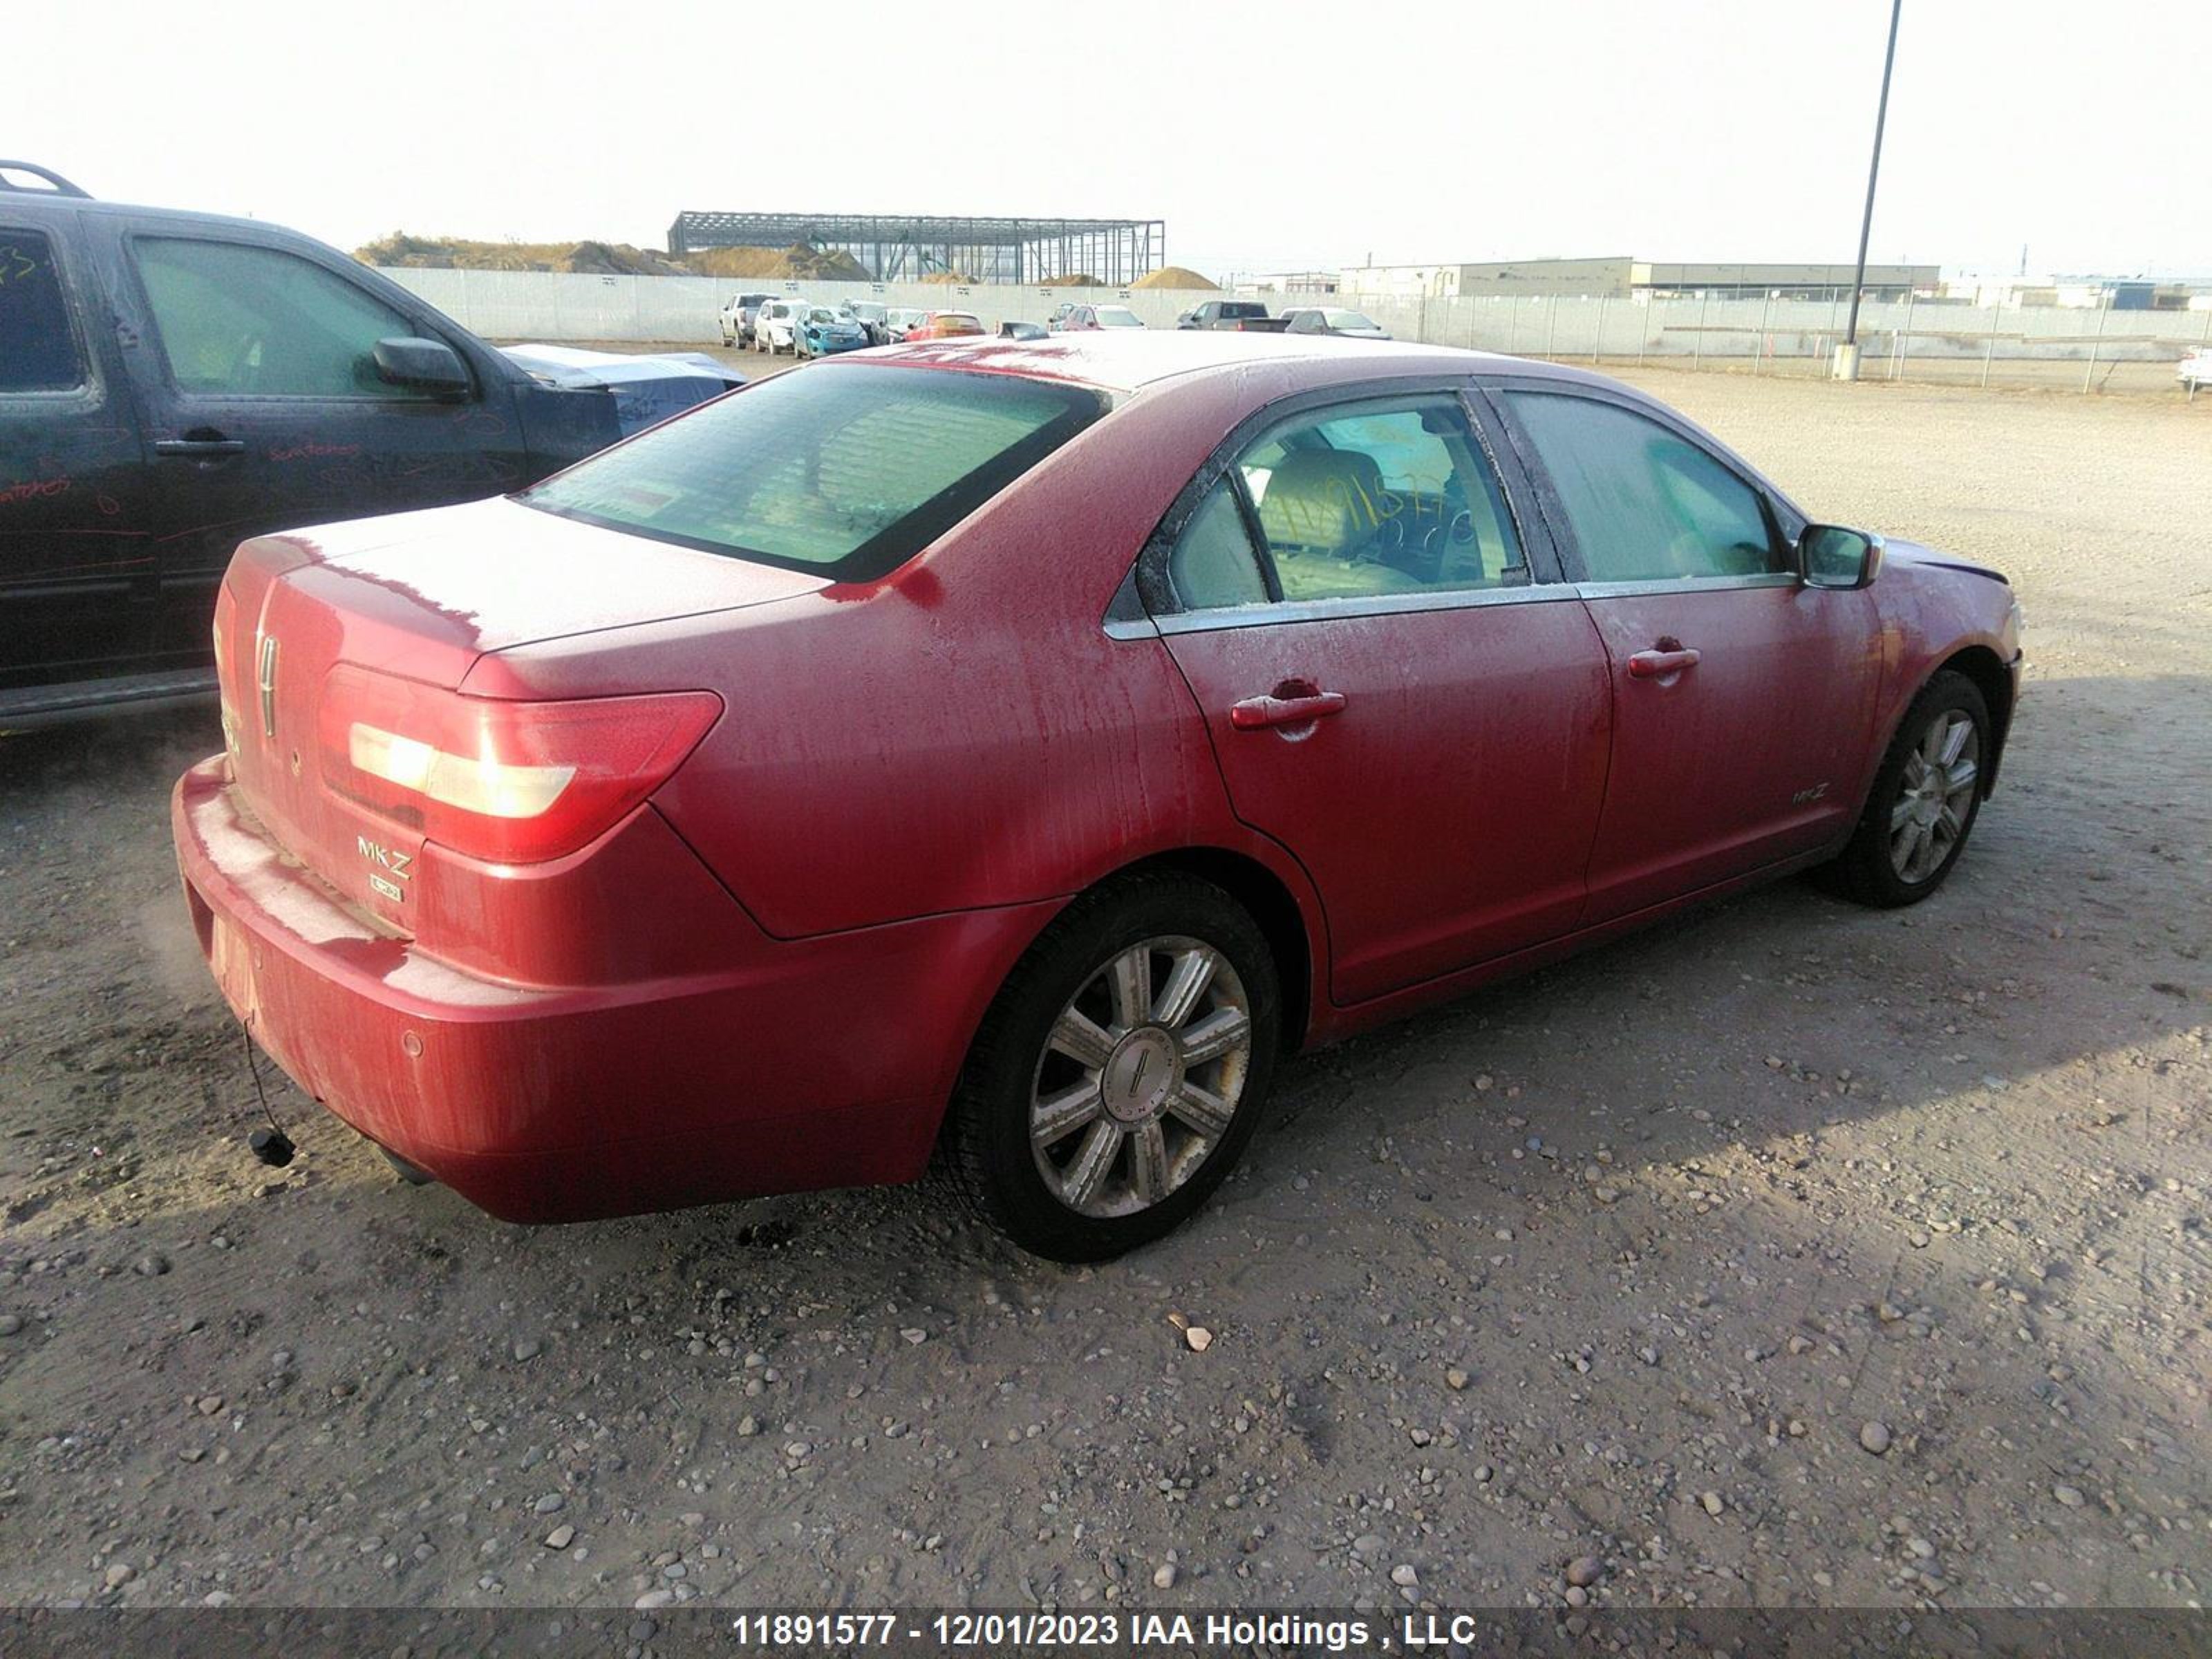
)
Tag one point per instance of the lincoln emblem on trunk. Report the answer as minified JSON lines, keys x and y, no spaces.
{"x":268,"y":680}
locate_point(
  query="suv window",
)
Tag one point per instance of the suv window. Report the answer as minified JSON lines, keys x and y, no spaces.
{"x":1382,"y":498}
{"x":1645,"y":503}
{"x":239,"y":321}
{"x":37,"y":349}
{"x":848,"y":472}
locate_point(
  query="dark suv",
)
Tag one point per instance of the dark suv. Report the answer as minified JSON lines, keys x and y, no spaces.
{"x":173,"y":383}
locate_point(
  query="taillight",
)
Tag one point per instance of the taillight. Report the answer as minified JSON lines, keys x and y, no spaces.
{"x":226,"y":617}
{"x":512,"y":782}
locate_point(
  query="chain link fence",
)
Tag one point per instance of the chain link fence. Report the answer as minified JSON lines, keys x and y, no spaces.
{"x":2080,"y":349}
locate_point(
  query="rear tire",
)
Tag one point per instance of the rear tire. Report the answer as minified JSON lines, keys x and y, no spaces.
{"x":1121,"y":1071}
{"x":1923,"y":803}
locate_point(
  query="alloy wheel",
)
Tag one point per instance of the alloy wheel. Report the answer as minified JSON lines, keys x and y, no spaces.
{"x":1935,"y":796}
{"x":1140,"y":1077}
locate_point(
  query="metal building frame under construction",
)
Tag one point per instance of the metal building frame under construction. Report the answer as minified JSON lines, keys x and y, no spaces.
{"x":896,"y":247}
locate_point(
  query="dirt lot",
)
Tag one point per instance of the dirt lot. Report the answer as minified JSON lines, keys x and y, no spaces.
{"x":1635,"y":1260}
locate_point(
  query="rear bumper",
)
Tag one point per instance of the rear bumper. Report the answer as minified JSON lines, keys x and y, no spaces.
{"x":803,"y":1064}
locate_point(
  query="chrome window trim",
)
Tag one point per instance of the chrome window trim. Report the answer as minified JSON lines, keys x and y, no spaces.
{"x":1288,"y":613}
{"x":1685,"y":585}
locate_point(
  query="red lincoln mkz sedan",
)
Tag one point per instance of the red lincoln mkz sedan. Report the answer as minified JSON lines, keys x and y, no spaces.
{"x":1009,"y":751}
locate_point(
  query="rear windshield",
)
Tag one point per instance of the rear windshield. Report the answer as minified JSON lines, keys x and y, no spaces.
{"x":1242,"y":308}
{"x":848,"y":470}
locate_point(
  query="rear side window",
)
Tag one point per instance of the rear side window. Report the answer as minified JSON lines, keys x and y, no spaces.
{"x":38,"y":348}
{"x":254,"y":322}
{"x":1352,"y":502}
{"x":848,"y":470}
{"x":1212,"y":565}
{"x":1644,"y":503}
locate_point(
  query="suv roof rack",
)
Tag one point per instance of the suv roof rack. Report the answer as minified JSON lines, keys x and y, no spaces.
{"x":55,"y":184}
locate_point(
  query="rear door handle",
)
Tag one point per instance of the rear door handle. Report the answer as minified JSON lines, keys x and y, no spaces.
{"x":1258,"y":713}
{"x":1658,"y":665}
{"x":199,"y":449}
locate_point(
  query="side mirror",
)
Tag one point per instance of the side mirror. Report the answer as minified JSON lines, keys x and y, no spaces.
{"x":421,"y":365}
{"x":1831,"y":556}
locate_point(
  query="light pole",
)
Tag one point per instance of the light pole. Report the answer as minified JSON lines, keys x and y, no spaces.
{"x":1847,"y":355}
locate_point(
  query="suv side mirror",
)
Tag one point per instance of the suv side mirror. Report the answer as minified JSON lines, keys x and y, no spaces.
{"x":1831,"y":556}
{"x":421,"y":365}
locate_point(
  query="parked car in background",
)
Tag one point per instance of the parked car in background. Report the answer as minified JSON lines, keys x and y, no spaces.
{"x":171,"y":383}
{"x":875,"y":318}
{"x":1023,"y":332}
{"x":1036,"y":730}
{"x":902,"y":320}
{"x":1084,"y":319}
{"x":775,"y":324}
{"x":2195,"y":370}
{"x":737,"y":319}
{"x":1223,"y":314}
{"x":825,"y":331}
{"x":1058,"y":319}
{"x":945,"y":325}
{"x":1333,"y":319}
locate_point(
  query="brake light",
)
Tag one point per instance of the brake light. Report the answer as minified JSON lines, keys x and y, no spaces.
{"x":226,"y":617}
{"x":509,"y":781}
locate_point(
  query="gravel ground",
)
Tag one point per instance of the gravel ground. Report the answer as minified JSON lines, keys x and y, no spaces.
{"x":1793,"y":1253}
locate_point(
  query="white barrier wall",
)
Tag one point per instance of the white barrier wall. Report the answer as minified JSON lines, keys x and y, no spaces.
{"x":539,"y":304}
{"x":531,"y":304}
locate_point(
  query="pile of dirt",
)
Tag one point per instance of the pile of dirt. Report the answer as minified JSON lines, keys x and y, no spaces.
{"x":610,"y":258}
{"x":948,"y":276}
{"x":1075,"y":279}
{"x":798,"y":260}
{"x":445,"y":253}
{"x":1174,"y":277}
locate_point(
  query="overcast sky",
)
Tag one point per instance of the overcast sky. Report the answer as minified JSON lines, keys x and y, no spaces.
{"x":1266,"y":137}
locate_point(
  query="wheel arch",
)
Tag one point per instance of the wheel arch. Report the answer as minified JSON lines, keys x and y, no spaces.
{"x":1990,"y":676}
{"x":1271,"y":905}
{"x":1300,"y":949}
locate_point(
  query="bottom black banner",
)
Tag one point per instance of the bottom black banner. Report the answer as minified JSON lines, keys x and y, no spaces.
{"x":681,"y":1632}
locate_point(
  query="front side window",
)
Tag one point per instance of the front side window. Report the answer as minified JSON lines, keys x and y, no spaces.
{"x":38,"y":348}
{"x":847,"y":470}
{"x":1381,"y":498}
{"x":1644,"y":503}
{"x":254,"y":322}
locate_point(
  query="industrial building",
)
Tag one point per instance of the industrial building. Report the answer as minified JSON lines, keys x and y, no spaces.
{"x":1624,"y":277}
{"x":905,"y":248}
{"x":2107,"y":293}
{"x":1306,"y":284}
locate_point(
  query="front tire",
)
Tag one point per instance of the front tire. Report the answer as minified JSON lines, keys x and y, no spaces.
{"x":1924,"y":799}
{"x":1121,"y":1071}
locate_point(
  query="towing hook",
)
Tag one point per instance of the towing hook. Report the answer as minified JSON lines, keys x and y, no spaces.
{"x":272,"y":1146}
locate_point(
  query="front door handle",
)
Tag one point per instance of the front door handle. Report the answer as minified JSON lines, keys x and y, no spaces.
{"x":1258,"y":713}
{"x":208,"y":447}
{"x":1659,"y":664}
